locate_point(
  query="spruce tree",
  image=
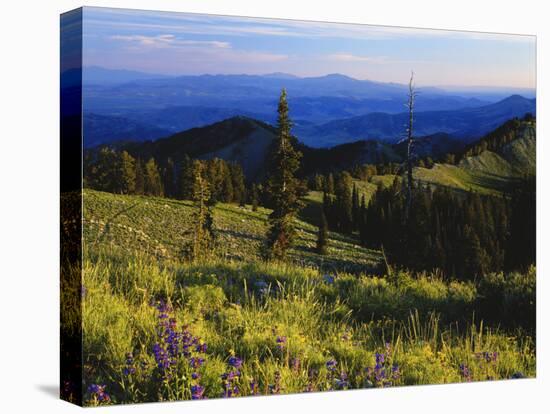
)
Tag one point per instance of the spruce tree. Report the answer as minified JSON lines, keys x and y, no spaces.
{"x":153,"y":183}
{"x":239,"y":188}
{"x":255,"y":197}
{"x":344,"y":202}
{"x":169,"y":179}
{"x":128,"y":173}
{"x":140,"y":179}
{"x":202,"y":218}
{"x":282,"y":186}
{"x":322,"y":236}
{"x":186,"y":178}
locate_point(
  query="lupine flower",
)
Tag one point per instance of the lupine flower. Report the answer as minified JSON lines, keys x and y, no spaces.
{"x":312,"y":373}
{"x":295,"y":364}
{"x":342,"y":382}
{"x":276,"y":387}
{"x":235,"y":362}
{"x":197,"y":392}
{"x":196,"y":362}
{"x":329,"y":279}
{"x":466,"y":374}
{"x":231,"y":389}
{"x":98,"y":392}
{"x":281,"y":342}
{"x":380,"y":358}
{"x":201,"y":348}
{"x":130,"y":365}
{"x":331,"y":364}
{"x":395,"y":373}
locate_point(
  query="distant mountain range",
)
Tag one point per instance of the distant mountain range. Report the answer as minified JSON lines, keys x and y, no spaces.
{"x":466,"y":124}
{"x":247,"y":141}
{"x":122,"y":105}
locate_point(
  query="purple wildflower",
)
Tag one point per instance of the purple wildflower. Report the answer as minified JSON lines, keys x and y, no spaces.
{"x":331,"y":364}
{"x":130,"y":365}
{"x":275,"y":388}
{"x":465,"y":372}
{"x":196,"y":362}
{"x":197,"y":392}
{"x":98,"y":392}
{"x":281,"y":342}
{"x":235,"y":362}
{"x":342,"y":382}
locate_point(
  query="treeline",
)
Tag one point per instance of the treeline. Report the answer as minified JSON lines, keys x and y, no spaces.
{"x":363,"y":172}
{"x":465,"y":236}
{"x":499,"y":138}
{"x":118,"y":172}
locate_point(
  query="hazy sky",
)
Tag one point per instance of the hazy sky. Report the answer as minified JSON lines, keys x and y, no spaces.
{"x":179,"y":43}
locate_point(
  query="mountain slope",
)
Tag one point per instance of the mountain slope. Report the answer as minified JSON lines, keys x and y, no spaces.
{"x":489,"y":171}
{"x":467,"y":124}
{"x":247,"y":142}
{"x":160,"y":227}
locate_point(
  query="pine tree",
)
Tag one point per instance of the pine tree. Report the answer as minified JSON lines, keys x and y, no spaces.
{"x":255,"y":197}
{"x":186,"y":178}
{"x":239,"y":188}
{"x":128,"y":173}
{"x":344,"y":202}
{"x":203,"y":236}
{"x":140,"y":179}
{"x":169,"y":179}
{"x":227,"y":191}
{"x":322,"y":237}
{"x":153,"y":183}
{"x":282,"y":186}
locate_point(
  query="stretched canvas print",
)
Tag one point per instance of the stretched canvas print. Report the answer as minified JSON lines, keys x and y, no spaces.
{"x":256,"y":206}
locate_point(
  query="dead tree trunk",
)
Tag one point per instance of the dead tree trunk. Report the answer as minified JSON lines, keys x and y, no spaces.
{"x":410,"y":139}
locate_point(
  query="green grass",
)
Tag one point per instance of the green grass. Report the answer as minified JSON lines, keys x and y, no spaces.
{"x":160,"y":227}
{"x":488,"y":172}
{"x":228,"y":307}
{"x":326,"y":308}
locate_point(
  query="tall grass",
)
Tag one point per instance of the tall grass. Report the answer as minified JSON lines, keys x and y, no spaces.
{"x":294,"y":329}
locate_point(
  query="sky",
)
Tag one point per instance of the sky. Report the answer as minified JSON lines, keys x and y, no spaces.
{"x":195,"y":44}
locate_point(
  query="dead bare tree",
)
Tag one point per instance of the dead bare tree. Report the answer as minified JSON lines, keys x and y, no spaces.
{"x":410,"y":139}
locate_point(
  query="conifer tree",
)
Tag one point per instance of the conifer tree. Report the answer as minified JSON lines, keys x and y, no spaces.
{"x":153,"y":183}
{"x":128,"y":173}
{"x":169,"y":179}
{"x":282,"y":186}
{"x":344,"y":201}
{"x":239,"y":188}
{"x":322,"y":236}
{"x":186,"y":178}
{"x":140,"y":179}
{"x":202,"y":218}
{"x":254,"y":197}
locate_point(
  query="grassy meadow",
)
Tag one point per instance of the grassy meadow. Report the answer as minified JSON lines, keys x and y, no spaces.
{"x":156,"y":328}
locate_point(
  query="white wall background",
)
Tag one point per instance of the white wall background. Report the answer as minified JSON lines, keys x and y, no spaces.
{"x":29,"y":206}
